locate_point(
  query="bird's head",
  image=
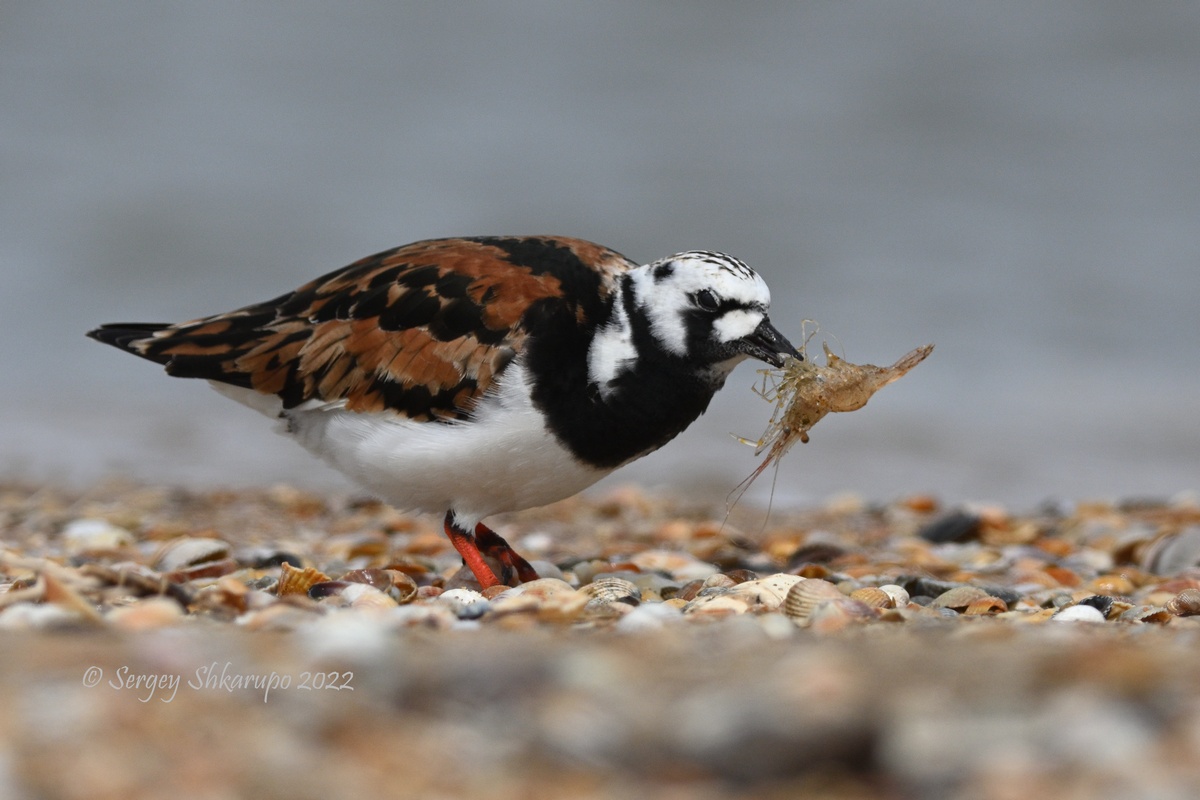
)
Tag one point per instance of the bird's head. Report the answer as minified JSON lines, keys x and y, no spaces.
{"x":709,"y":309}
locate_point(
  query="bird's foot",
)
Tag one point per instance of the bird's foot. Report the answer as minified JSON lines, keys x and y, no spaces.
{"x":494,"y":545}
{"x":466,"y":546}
{"x":486,"y":542}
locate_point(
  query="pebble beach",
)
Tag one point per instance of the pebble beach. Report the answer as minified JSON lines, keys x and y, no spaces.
{"x":282,"y":643}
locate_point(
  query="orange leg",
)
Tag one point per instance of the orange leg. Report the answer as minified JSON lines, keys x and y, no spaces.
{"x":495,"y":546}
{"x":465,"y":544}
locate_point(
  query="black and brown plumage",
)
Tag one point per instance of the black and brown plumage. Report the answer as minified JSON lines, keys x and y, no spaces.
{"x":472,"y":376}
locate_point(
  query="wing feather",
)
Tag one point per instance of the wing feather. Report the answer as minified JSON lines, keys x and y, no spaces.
{"x":421,"y":330}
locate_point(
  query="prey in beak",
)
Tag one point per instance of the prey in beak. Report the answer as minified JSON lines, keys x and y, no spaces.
{"x":767,"y":344}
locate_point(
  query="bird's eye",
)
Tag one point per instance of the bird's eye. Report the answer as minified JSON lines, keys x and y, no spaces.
{"x":707,"y":300}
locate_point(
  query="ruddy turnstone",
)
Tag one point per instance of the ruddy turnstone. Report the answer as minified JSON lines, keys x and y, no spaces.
{"x":472,"y":376}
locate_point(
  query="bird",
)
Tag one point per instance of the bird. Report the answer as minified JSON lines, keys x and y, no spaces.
{"x":471,"y":376}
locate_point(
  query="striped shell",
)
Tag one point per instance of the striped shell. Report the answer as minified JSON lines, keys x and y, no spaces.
{"x":985,"y":605}
{"x":874,"y":597}
{"x":188,"y":552}
{"x":603,"y":591}
{"x":1185,"y":604}
{"x":803,"y":598}
{"x":298,"y":581}
{"x":959,"y":598}
{"x":1150,"y":614}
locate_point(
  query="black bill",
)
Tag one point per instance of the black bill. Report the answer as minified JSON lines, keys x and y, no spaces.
{"x":769,"y":345}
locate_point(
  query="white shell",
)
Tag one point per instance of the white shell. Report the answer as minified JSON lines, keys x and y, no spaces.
{"x":769,"y":591}
{"x":899,"y":594}
{"x":190,"y":551}
{"x":465,"y":603}
{"x":1079,"y":614}
{"x":94,"y":535}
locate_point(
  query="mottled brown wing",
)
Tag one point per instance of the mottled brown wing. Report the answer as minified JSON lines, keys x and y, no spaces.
{"x":422,"y":330}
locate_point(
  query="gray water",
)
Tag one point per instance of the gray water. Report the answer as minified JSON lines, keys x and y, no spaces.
{"x":1018,"y":183}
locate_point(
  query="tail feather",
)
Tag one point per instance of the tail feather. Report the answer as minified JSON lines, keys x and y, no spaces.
{"x":130,"y":337}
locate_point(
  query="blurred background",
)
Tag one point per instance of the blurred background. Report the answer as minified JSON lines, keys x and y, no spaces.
{"x":1018,"y":183}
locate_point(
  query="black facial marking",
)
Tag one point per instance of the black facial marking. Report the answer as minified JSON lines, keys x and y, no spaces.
{"x":663,"y":271}
{"x":647,"y":405}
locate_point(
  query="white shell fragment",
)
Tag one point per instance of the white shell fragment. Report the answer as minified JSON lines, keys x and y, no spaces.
{"x":1079,"y":613}
{"x":82,"y":536}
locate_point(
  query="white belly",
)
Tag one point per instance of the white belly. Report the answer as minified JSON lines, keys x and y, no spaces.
{"x":503,"y":460}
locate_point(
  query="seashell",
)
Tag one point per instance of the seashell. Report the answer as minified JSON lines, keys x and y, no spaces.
{"x":433,"y":616}
{"x":1062,"y":575}
{"x":1116,"y":609}
{"x":1173,"y":553}
{"x":725,"y":603}
{"x":1185,"y":604}
{"x":378,"y":578}
{"x":833,"y":615}
{"x":1112,"y":585}
{"x":268,"y":557}
{"x":56,"y":592}
{"x":232,"y":594}
{"x":548,"y":599}
{"x":465,"y":603}
{"x":1150,"y":614}
{"x":899,"y":594}
{"x":769,"y":591}
{"x":189,"y":552}
{"x":208,"y":569}
{"x":155,"y":612}
{"x":1102,"y":602}
{"x":359,"y":596}
{"x":874,"y":597}
{"x":611,"y":590}
{"x":679,"y":565}
{"x":806,"y":595}
{"x":32,"y":616}
{"x":959,"y":597}
{"x":403,"y":588}
{"x":719,"y":581}
{"x":297,"y":581}
{"x":689,"y":591}
{"x":565,"y":607}
{"x":83,"y":536}
{"x":1079,"y":613}
{"x":365,"y":597}
{"x":319,"y":591}
{"x":985,"y":605}
{"x":648,"y":617}
{"x":925,"y":587}
{"x":541,"y":588}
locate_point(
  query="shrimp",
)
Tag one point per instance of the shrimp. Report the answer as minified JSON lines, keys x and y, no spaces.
{"x":804,"y":392}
